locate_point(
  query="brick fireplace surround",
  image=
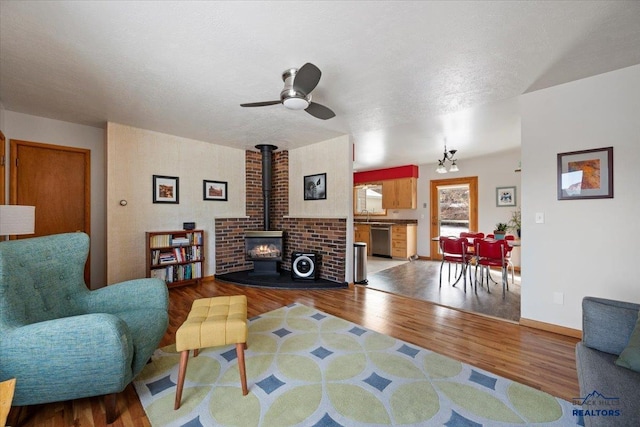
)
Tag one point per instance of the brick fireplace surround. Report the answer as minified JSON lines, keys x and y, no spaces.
{"x":327,"y":236}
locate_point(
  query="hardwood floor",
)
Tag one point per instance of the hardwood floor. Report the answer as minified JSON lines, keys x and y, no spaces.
{"x":540,"y":359}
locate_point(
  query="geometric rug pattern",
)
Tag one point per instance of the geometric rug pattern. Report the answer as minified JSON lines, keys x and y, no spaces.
{"x":309,"y":368}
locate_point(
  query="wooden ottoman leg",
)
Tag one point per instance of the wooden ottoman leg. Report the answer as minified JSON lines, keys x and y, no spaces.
{"x":184,"y":358}
{"x":241,"y":367}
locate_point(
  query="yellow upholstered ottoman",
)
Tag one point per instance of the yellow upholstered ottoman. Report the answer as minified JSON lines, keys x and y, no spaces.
{"x":213,"y":322}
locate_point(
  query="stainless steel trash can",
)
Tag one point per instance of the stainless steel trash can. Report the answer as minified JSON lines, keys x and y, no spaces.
{"x":360,"y":262}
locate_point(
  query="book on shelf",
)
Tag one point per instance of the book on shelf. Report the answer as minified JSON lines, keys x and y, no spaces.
{"x":160,"y":241}
{"x":196,"y":238}
{"x":167,"y":257}
{"x":176,"y":273}
{"x":192,"y":253}
{"x":180,"y":241}
{"x":180,"y":254}
{"x":171,"y":240}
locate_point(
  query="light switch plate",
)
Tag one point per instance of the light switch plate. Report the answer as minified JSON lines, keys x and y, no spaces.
{"x":539,"y":217}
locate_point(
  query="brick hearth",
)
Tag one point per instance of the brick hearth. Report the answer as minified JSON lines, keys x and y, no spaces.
{"x":326,"y":236}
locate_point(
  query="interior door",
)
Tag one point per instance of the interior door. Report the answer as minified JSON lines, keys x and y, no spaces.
{"x":56,"y":180}
{"x":454,"y":208}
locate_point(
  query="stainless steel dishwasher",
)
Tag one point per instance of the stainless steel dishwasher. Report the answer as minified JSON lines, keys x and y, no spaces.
{"x":381,"y":240}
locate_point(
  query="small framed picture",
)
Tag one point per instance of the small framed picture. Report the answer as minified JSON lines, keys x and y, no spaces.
{"x":505,"y":196}
{"x":586,"y":174}
{"x":315,"y":187}
{"x":166,"y":189}
{"x":214,"y":190}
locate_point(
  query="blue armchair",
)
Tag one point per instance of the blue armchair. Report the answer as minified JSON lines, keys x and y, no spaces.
{"x":62,"y":341}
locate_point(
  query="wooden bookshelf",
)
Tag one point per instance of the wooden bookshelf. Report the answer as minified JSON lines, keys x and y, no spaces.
{"x":177,"y":257}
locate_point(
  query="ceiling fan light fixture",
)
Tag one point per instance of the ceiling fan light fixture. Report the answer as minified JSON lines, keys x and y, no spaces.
{"x":295,"y":103}
{"x":296,"y":95}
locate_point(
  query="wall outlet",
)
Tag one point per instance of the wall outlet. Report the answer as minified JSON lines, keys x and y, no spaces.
{"x":558,"y":298}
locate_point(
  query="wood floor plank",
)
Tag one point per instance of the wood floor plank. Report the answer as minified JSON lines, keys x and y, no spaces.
{"x":540,"y":359}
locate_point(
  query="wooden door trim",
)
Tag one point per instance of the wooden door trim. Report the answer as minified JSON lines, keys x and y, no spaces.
{"x":3,"y":160}
{"x":13,"y":184}
{"x":472,"y":182}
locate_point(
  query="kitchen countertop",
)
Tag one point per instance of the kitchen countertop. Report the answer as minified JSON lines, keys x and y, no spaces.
{"x":387,"y":222}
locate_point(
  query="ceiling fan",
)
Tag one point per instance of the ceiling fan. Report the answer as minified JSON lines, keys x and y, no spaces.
{"x":296,"y":95}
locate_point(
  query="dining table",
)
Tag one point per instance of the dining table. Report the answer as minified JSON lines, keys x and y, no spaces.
{"x":513,"y":243}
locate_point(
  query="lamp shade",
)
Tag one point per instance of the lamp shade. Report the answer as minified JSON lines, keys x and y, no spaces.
{"x":17,"y":219}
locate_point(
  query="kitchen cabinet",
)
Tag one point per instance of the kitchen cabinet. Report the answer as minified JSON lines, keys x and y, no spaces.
{"x":404,"y":239}
{"x":363,"y":234}
{"x":400,"y":193}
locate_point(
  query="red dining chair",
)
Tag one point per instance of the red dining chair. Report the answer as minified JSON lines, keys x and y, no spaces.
{"x":507,"y":255}
{"x":508,"y":248}
{"x":470,"y":236}
{"x":454,"y":251}
{"x":491,"y":253}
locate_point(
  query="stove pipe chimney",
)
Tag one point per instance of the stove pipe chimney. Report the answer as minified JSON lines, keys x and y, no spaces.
{"x":267,"y":170}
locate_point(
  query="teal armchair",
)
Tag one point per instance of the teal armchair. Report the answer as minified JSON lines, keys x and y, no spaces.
{"x":62,"y":341}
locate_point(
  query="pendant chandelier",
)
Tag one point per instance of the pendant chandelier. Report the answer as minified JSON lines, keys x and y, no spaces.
{"x":448,"y":156}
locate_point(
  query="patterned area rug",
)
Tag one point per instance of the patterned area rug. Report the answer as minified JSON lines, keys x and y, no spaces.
{"x":308,"y":368}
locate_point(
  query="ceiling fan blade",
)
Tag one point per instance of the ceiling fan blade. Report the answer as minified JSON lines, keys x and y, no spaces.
{"x":260,"y":104}
{"x":306,"y":78}
{"x":319,"y":111}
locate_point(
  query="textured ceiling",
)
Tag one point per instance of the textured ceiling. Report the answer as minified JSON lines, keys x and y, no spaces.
{"x":400,"y":76}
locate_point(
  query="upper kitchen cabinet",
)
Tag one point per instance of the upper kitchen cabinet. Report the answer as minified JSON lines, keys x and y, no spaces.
{"x":400,"y":193}
{"x":398,"y":187}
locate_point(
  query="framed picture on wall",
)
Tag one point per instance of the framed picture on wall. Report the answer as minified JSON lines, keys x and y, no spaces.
{"x":315,"y":187}
{"x":214,"y":190}
{"x":166,"y":189}
{"x":586,"y":174}
{"x":505,"y":196}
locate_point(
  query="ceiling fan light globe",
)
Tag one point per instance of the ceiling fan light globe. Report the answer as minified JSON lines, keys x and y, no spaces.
{"x":295,"y":103}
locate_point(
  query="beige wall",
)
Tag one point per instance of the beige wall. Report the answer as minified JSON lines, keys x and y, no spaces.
{"x":584,"y":247}
{"x":332,"y":157}
{"x":133,"y":157}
